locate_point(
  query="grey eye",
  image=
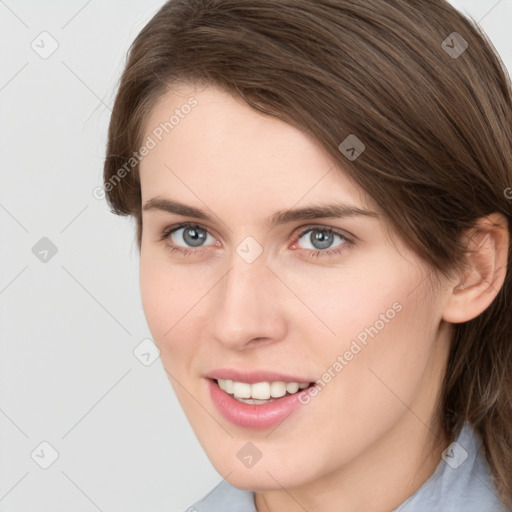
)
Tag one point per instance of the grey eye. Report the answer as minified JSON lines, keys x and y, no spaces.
{"x":192,"y":236}
{"x":321,"y":238}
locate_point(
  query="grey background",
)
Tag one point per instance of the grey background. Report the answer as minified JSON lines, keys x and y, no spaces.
{"x":69,"y":325}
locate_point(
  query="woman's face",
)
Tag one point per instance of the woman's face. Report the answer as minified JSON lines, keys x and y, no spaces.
{"x":253,"y":293}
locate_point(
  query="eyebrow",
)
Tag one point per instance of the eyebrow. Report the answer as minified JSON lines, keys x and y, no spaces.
{"x":332,"y":211}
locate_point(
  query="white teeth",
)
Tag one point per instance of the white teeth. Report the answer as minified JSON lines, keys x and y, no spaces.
{"x":259,"y":390}
{"x":242,"y":389}
{"x":292,"y":387}
{"x":277,"y":389}
{"x":228,"y":386}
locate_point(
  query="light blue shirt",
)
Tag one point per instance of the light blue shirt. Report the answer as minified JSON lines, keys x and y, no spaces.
{"x":461,"y":483}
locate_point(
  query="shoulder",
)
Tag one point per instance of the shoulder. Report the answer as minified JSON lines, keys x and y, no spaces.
{"x":225,"y":498}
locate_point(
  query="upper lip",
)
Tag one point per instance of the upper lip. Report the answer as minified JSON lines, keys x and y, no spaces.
{"x":253,"y":376}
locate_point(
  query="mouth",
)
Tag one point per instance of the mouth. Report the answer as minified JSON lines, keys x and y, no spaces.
{"x":258,"y":405}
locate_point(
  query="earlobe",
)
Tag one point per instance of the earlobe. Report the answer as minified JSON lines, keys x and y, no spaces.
{"x":483,"y":276}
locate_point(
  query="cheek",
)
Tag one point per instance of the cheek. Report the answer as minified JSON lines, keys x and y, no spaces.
{"x":343,"y":302}
{"x":171,"y":300}
{"x":385,"y":361}
{"x":156,"y":295}
{"x":382,"y":322}
{"x":164,"y":296}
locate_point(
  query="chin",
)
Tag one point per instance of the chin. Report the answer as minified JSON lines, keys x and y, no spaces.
{"x":248,"y":480}
{"x":269,"y":473}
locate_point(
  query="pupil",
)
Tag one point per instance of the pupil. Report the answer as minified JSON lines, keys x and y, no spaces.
{"x":194,"y":236}
{"x":324,"y":239}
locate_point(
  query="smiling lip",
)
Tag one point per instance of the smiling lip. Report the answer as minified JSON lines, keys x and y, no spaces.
{"x":251,"y":377}
{"x":255,"y":416}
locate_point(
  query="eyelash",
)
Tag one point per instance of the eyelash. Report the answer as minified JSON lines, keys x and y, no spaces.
{"x":164,"y":237}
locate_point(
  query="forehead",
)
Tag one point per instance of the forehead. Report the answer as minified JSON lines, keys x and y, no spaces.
{"x":206,"y":142}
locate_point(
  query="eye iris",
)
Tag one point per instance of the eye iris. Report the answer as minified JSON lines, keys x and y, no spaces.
{"x":324,"y":239}
{"x":194,"y":236}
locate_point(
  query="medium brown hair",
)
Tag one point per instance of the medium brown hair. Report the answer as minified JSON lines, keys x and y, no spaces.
{"x":436,"y":125}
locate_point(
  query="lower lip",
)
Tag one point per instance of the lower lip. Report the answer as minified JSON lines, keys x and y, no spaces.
{"x":254,"y":416}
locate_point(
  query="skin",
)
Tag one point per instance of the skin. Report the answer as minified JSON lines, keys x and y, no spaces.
{"x":367,"y":439}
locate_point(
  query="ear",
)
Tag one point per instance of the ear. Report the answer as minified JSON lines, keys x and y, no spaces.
{"x":484,"y":274}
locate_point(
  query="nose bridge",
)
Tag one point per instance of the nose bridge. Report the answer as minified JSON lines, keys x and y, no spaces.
{"x":246,"y":301}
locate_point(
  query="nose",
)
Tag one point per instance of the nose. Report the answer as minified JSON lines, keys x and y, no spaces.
{"x":248,"y":309}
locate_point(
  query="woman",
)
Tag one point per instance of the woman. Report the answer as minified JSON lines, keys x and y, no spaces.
{"x":322,"y":197}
